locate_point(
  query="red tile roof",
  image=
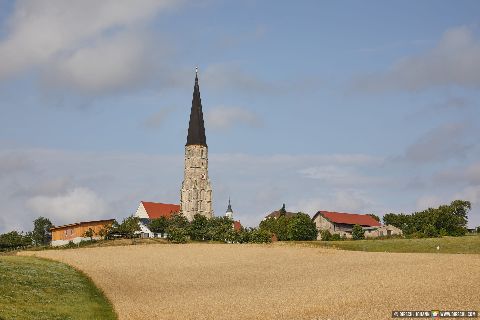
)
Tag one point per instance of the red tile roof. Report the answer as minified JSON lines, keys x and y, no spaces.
{"x":237,"y":225}
{"x":156,"y":210}
{"x":350,"y":218}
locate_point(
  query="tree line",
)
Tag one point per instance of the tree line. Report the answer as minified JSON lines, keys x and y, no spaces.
{"x":39,"y":236}
{"x":298,"y":227}
{"x":446,"y":220}
{"x":179,"y":230}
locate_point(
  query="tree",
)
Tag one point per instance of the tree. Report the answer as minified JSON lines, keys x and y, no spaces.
{"x":159,"y":225}
{"x":177,"y":230}
{"x":219,"y":228}
{"x":129,"y":227}
{"x":325,"y":235}
{"x":301,"y":227}
{"x":89,"y":234}
{"x":478,"y":229}
{"x":259,"y":236}
{"x":198,"y":229}
{"x":448,"y":220}
{"x":374,"y":216}
{"x":14,"y":240}
{"x":282,"y":210}
{"x":41,"y":233}
{"x":277,"y":226}
{"x":357,"y":232}
{"x":105,"y":231}
{"x":176,"y":234}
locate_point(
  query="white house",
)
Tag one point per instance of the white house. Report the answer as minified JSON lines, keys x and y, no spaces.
{"x":153,"y":210}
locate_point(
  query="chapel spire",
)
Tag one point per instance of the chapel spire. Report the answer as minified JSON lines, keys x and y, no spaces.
{"x":196,"y":127}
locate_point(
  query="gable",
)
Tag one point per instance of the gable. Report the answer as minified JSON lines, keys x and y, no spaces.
{"x":155,"y":210}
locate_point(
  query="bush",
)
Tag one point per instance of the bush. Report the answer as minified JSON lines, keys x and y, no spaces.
{"x":260,"y":236}
{"x":177,"y":235}
{"x":357,"y":232}
{"x":325,"y":235}
{"x":301,"y":228}
{"x":336,"y":237}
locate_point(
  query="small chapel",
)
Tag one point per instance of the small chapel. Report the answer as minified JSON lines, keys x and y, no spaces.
{"x":196,"y":192}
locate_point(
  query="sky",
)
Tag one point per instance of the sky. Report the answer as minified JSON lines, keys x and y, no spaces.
{"x":348,"y":106}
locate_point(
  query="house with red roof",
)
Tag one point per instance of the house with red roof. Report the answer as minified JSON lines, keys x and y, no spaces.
{"x":153,"y":210}
{"x":342,"y":224}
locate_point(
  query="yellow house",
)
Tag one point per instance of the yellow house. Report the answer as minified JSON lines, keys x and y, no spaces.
{"x":75,"y":232}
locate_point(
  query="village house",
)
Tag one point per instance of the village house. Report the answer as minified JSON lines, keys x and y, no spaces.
{"x":75,"y":232}
{"x":153,"y":210}
{"x":277,"y":213}
{"x":342,"y":224}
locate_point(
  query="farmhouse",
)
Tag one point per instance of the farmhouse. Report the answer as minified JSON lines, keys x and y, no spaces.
{"x":75,"y":232}
{"x":277,"y":213}
{"x":342,"y":224}
{"x":153,"y":210}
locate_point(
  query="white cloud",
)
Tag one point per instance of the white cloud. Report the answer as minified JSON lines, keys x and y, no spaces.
{"x":111,"y":64}
{"x":429,"y":201}
{"x":14,"y":162}
{"x":158,"y":118}
{"x":346,"y":176}
{"x":439,"y":144}
{"x":73,"y":206}
{"x":455,"y":60}
{"x":222,"y":118}
{"x":93,"y":45}
{"x":340,"y":201}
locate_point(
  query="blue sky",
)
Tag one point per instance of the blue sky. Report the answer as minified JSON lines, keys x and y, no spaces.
{"x":364,"y":107}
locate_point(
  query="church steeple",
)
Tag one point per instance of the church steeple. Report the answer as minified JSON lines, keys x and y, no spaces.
{"x":196,"y":126}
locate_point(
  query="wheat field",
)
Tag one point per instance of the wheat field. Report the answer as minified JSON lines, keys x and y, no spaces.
{"x":215,"y":281}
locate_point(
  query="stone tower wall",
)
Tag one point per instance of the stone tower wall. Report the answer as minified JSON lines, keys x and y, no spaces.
{"x":196,"y":193}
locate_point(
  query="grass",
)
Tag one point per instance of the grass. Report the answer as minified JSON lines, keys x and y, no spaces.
{"x":33,"y":288}
{"x":466,"y":244}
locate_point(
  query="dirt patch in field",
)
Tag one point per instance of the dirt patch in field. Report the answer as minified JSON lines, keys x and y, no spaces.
{"x":215,"y":281}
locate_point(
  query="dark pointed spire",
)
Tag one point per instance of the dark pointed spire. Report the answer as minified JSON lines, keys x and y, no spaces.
{"x":229,"y":209}
{"x":196,"y":127}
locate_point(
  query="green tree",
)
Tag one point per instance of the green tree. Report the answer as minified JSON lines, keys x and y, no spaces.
{"x":374,"y":216}
{"x":89,"y":234}
{"x":301,"y":227}
{"x":357,"y":232}
{"x":129,"y":226}
{"x":198,"y":229}
{"x":176,"y":234}
{"x":259,"y":236}
{"x":325,"y":235}
{"x":218,"y":228}
{"x":177,"y":230}
{"x":105,"y":231}
{"x":445,"y":220}
{"x":159,"y":225}
{"x":14,"y":240}
{"x":41,"y":233}
{"x":282,"y":209}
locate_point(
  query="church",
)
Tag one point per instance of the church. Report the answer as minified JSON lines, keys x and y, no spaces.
{"x":196,"y":192}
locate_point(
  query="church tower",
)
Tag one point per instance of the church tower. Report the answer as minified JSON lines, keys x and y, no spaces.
{"x":196,"y":193}
{"x":229,"y":213}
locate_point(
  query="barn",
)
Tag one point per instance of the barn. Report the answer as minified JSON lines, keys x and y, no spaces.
{"x":342,"y":224}
{"x":75,"y":232}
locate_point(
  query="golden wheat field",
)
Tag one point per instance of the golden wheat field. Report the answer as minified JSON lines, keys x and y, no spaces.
{"x":215,"y":281}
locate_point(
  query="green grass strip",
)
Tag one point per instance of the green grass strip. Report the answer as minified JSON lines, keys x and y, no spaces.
{"x":465,"y":244}
{"x":33,"y":288}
